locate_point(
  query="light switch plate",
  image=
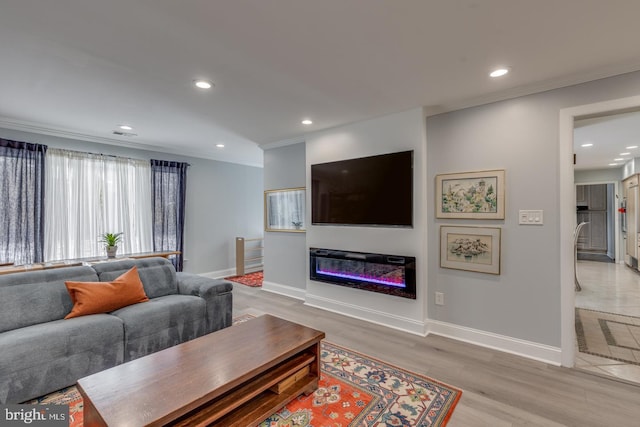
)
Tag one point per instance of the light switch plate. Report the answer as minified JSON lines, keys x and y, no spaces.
{"x":531,"y":217}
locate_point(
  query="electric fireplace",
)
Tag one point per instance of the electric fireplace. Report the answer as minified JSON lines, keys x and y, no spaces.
{"x":387,"y":274}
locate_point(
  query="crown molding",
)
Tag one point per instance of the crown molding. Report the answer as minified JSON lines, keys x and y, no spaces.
{"x":530,"y":89}
{"x":38,"y":128}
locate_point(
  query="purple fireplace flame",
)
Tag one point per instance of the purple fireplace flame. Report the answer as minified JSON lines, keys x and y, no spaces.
{"x":393,"y":281}
{"x":389,"y":274}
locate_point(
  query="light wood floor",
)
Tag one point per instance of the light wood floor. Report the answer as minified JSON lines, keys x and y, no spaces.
{"x":499,"y":389}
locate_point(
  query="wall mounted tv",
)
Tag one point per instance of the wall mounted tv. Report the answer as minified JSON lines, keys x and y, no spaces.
{"x":367,"y":191}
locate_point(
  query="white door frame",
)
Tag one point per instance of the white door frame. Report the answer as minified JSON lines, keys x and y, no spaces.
{"x":567,"y":213}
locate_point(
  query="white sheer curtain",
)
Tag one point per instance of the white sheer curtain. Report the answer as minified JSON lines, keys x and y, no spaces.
{"x":87,"y":195}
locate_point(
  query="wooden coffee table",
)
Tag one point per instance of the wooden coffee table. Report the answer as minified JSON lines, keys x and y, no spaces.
{"x":237,"y":376}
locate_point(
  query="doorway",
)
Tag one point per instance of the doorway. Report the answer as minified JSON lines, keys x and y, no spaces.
{"x":607,"y":309}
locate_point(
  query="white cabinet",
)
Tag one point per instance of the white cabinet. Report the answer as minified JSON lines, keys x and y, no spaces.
{"x":630,"y":186}
{"x":632,"y":229}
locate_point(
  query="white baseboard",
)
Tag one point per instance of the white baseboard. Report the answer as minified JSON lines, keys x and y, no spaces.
{"x":531,"y":350}
{"x":385,"y":319}
{"x":288,"y":291}
{"x":528,"y":349}
{"x":220,"y":274}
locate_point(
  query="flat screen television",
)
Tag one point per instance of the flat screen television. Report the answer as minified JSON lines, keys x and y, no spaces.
{"x":367,"y":191}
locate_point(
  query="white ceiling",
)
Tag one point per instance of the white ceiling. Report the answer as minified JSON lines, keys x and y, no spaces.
{"x":606,"y":142}
{"x":79,"y":68}
{"x":612,"y":137}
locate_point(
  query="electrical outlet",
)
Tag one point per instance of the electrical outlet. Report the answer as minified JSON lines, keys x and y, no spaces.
{"x":439,"y":298}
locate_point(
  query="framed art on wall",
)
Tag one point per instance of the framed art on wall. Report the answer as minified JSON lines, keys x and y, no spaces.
{"x":470,"y":195}
{"x":470,"y":248}
{"x":284,"y":210}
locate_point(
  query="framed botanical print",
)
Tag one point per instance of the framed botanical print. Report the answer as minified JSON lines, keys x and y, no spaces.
{"x":470,"y":248}
{"x":471,"y":195}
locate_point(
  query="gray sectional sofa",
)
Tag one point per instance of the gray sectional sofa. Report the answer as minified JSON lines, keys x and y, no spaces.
{"x":41,"y":352}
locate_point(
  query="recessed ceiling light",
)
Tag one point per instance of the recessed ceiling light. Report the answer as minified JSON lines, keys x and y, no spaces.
{"x":125,"y":127}
{"x":618,"y":160}
{"x":613,"y":164}
{"x":587,"y":145}
{"x":307,"y":122}
{"x":499,"y":72}
{"x":203,"y":84}
{"x":624,"y":154}
{"x":631,"y":147}
{"x":220,"y":145}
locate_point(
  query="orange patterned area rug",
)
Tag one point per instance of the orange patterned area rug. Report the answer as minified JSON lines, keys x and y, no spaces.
{"x":252,"y":279}
{"x":354,"y":390}
{"x":357,"y":390}
{"x":67,"y":396}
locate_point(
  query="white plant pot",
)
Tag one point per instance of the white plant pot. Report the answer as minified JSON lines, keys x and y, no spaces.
{"x":111,"y":251}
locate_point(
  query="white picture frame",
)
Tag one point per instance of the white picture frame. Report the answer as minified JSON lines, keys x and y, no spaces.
{"x":470,"y":248}
{"x":284,"y":210}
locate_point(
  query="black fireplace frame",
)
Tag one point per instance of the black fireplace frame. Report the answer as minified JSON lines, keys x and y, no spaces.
{"x":407,"y":262}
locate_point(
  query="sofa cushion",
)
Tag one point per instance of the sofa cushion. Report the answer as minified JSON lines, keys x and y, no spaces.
{"x":161,"y":323}
{"x":157,"y":274}
{"x":36,"y":297}
{"x":42,"y":358}
{"x":103,"y":297}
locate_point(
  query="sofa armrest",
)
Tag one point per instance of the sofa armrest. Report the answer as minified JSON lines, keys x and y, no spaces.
{"x":216,"y":293}
{"x":193,"y":284}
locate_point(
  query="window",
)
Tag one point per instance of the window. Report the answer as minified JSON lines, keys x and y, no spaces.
{"x":91,"y":194}
{"x":169,"y":181}
{"x":21,"y":192}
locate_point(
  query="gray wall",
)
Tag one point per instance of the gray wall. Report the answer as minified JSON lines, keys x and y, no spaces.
{"x":285,"y":254}
{"x":393,"y":133}
{"x":224,"y":200}
{"x":522,"y":136}
{"x":598,"y":176}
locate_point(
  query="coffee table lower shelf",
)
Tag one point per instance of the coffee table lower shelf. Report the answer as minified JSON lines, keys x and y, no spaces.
{"x":255,"y":400}
{"x":266,"y":404}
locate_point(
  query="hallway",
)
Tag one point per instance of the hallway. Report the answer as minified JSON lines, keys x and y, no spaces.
{"x":610,"y":288}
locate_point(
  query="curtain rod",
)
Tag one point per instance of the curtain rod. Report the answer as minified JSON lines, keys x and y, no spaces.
{"x":107,"y":155}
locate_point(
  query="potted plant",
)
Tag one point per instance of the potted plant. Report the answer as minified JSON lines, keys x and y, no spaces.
{"x":111,"y":241}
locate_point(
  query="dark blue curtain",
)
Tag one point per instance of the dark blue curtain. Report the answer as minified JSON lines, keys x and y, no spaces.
{"x":169,"y":187}
{"x":21,"y":201}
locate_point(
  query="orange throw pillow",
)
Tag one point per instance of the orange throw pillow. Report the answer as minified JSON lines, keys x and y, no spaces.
{"x":104,"y":297}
